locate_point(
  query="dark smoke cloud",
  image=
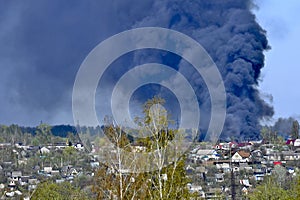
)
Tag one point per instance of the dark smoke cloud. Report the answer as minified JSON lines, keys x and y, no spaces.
{"x":44,"y":43}
{"x":42,"y":46}
{"x":283,"y":126}
{"x":229,"y":32}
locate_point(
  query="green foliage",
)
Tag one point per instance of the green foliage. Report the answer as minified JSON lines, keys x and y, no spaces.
{"x":107,"y":185}
{"x":271,"y":136}
{"x":269,"y":191}
{"x":61,"y":191}
{"x":174,"y":182}
{"x":70,"y":155}
{"x":295,"y":130}
{"x":43,"y":133}
{"x":277,"y":187}
{"x":168,"y":180}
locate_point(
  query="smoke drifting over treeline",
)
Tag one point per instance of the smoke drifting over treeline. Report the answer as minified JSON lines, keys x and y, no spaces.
{"x":43,"y":45}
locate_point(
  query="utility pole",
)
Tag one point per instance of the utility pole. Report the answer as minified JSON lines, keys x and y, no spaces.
{"x":232,"y":177}
{"x":232,"y":185}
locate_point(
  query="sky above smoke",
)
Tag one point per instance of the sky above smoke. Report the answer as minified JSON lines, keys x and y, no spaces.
{"x":44,"y":43}
{"x":280,"y":20}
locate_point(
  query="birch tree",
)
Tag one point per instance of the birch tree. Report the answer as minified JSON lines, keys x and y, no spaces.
{"x":156,"y":151}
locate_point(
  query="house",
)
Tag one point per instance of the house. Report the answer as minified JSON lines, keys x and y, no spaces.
{"x":246,"y":145}
{"x":198,"y":189}
{"x":257,"y":154}
{"x":22,"y":161}
{"x":206,"y":154}
{"x":55,"y":172}
{"x":94,"y":164}
{"x":223,"y":146}
{"x":219,"y":178}
{"x":194,"y":158}
{"x":24,"y":180}
{"x":60,"y":145}
{"x":201,"y":171}
{"x":59,"y":180}
{"x":277,"y":163}
{"x":9,"y":194}
{"x":273,"y":157}
{"x":245,"y":182}
{"x":297,"y":143}
{"x":11,"y":183}
{"x":73,"y":172}
{"x":245,"y":166}
{"x":32,"y":183}
{"x":235,"y":169}
{"x":259,"y":173}
{"x":291,"y":170}
{"x":241,"y":156}
{"x":224,"y":166}
{"x":79,"y":146}
{"x":290,"y":142}
{"x":213,"y":193}
{"x":226,"y":146}
{"x":259,"y":177}
{"x":47,"y":169}
{"x":290,"y":155}
{"x":44,"y":150}
{"x":4,"y":145}
{"x":16,"y":175}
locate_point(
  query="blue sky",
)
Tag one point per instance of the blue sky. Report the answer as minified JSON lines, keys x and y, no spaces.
{"x":281,"y":74}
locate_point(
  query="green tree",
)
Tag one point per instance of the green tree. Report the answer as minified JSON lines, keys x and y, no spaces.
{"x":43,"y":133}
{"x":167,"y":181}
{"x":269,"y":191}
{"x":295,"y":130}
{"x":62,"y":191}
{"x":70,"y":154}
{"x":277,"y":187}
{"x":295,"y":191}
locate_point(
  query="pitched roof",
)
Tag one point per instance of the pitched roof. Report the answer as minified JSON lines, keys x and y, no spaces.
{"x":244,"y":154}
{"x":290,"y":142}
{"x":205,"y":151}
{"x":243,"y":144}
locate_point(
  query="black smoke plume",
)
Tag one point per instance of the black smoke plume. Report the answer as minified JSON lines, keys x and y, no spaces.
{"x":43,"y":44}
{"x":228,"y":30}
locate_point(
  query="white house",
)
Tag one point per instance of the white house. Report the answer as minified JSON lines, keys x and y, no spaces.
{"x":15,"y":175}
{"x":297,"y":143}
{"x":79,"y":146}
{"x":47,"y":169}
{"x":219,"y":178}
{"x":241,"y":156}
{"x":207,"y":154}
{"x":44,"y":150}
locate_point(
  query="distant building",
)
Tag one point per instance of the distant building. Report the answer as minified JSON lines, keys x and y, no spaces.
{"x":15,"y":175}
{"x":297,"y":143}
{"x":241,"y":156}
{"x":44,"y":150}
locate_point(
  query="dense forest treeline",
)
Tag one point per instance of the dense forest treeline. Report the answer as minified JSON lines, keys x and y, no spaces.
{"x":43,"y":133}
